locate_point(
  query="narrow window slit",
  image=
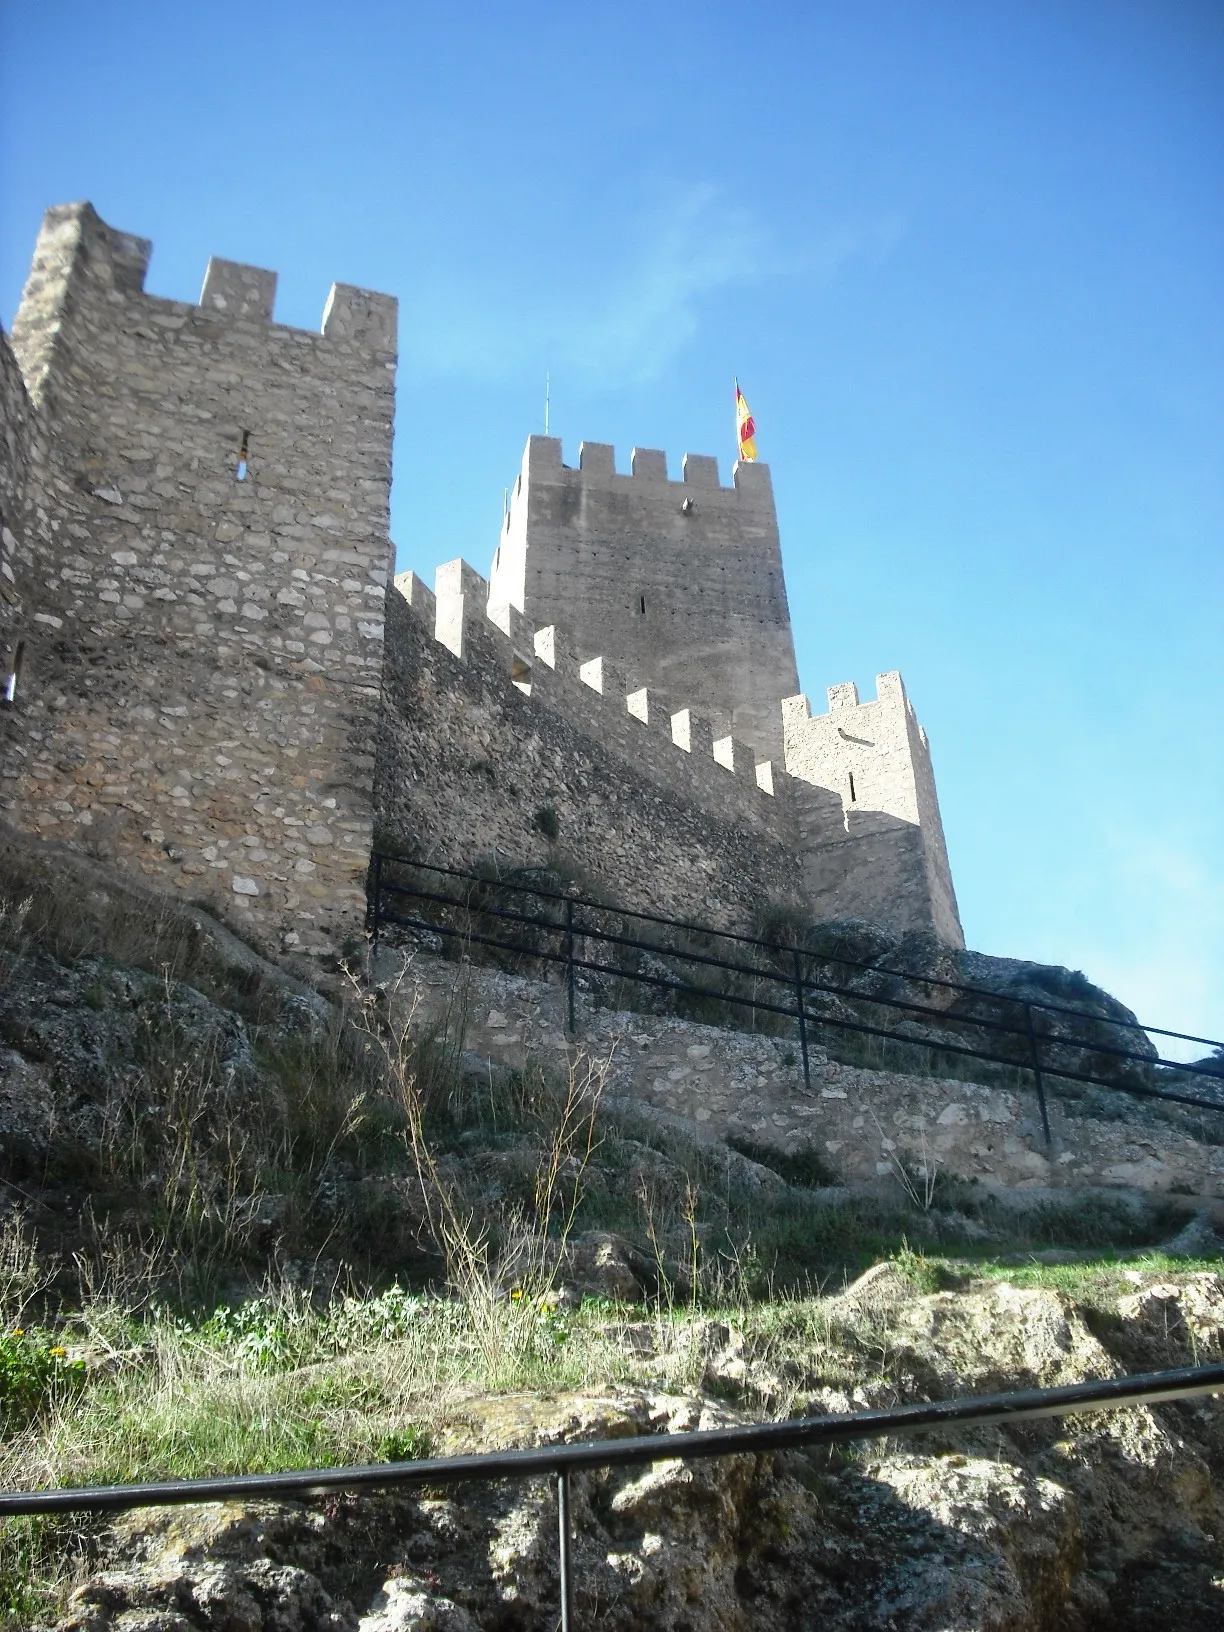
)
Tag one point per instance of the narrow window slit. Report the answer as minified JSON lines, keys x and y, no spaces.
{"x":243,"y":454}
{"x":853,"y":795}
{"x":642,"y":600}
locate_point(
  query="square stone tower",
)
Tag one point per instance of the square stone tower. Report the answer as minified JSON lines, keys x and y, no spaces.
{"x":678,"y":582}
{"x":205,"y":555}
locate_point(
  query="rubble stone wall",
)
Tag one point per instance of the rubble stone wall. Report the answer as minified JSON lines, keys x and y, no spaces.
{"x":19,"y":521}
{"x":867,"y":1125}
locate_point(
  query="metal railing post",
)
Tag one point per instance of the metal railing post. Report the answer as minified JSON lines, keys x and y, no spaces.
{"x":1038,"y":1077}
{"x":569,"y":960}
{"x":377,"y":904}
{"x":563,"y":1537}
{"x":799,"y":1010}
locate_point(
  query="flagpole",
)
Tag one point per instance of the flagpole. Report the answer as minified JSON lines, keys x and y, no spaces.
{"x":547,"y":390}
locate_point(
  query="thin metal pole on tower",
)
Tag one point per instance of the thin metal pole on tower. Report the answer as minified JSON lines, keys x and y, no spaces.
{"x":547,"y":392}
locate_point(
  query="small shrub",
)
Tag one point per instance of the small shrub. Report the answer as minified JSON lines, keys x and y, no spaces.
{"x":923,"y":1275}
{"x":384,"y":1319}
{"x":33,"y":1371}
{"x":547,"y":821}
{"x":410,"y":1444}
{"x":264,"y":1334}
{"x":805,"y":1169}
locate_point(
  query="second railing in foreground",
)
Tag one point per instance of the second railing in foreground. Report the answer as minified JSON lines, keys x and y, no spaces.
{"x":559,"y":1462}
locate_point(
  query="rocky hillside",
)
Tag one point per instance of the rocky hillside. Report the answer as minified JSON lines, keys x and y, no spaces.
{"x":249,"y":1221}
{"x":1096,"y":1522}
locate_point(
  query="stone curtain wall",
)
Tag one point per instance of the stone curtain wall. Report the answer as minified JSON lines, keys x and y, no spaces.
{"x":203,"y":693}
{"x":469,"y":758}
{"x":886,"y":859}
{"x":679,"y":582}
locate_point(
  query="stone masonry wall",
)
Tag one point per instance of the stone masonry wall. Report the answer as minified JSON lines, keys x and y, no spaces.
{"x":679,"y":582}
{"x":201,"y":699}
{"x":886,"y":859}
{"x":867,"y":1125}
{"x":834,"y":862}
{"x":194,"y":563}
{"x":483,"y":730}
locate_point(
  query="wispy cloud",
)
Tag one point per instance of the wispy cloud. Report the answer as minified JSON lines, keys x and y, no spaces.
{"x":619,"y":319}
{"x":1167,"y":959}
{"x":693,"y":246}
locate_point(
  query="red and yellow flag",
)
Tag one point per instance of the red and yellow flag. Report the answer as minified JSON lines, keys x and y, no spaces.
{"x":746,"y":426}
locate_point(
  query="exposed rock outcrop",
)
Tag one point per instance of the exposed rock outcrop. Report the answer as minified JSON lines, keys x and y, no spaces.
{"x":1108,"y":1520}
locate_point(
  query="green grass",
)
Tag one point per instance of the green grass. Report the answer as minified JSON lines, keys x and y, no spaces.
{"x":280,"y":1381}
{"x":39,"y":1558}
{"x":1104,"y":1275}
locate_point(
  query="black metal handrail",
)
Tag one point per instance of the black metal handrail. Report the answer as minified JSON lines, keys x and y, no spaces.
{"x":561,"y":1461}
{"x":511,"y":886}
{"x":923,"y":1009}
{"x":1040,"y":1051}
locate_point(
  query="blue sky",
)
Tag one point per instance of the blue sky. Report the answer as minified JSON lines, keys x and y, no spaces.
{"x":964,"y":255}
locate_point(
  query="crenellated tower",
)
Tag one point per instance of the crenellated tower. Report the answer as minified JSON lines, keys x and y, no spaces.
{"x":679,"y":582}
{"x":878,"y":851}
{"x":202,"y":630}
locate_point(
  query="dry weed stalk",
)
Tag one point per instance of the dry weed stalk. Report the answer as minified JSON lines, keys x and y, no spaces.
{"x":23,"y":1275}
{"x":504,"y":1269}
{"x":920,"y":1183}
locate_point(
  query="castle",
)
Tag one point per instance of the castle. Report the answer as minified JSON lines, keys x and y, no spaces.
{"x":213,"y":678}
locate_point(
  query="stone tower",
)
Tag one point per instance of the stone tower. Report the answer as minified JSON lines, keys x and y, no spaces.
{"x":206,"y":559}
{"x":678,"y":582}
{"x":871,"y":838}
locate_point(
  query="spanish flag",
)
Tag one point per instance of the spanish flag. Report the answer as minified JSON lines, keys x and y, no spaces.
{"x":746,"y":426}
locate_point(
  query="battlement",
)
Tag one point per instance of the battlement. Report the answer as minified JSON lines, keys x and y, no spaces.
{"x":79,"y":253}
{"x":238,"y":291}
{"x":542,"y":462}
{"x":890,"y":690}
